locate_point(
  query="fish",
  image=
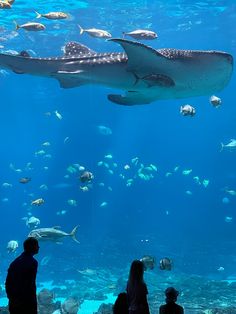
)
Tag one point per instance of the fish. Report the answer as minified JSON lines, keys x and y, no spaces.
{"x":72,"y":202}
{"x":94,"y":32}
{"x":103,"y":204}
{"x":32,"y":222}
{"x":12,"y":246}
{"x":86,"y":176}
{"x":31,"y":26}
{"x":220,"y":269}
{"x":52,"y":15}
{"x":87,"y":272}
{"x":25,"y":180}
{"x":52,"y":234}
{"x":84,"y":188}
{"x":231,"y":145}
{"x":5,"y":5}
{"x":66,"y":139}
{"x":230,"y":192}
{"x":187,"y":110}
{"x":228,"y":219}
{"x":104,"y":130}
{"x":58,"y":115}
{"x":165,"y":263}
{"x":7,"y":185}
{"x":141,"y":34}
{"x":46,"y":144}
{"x":38,"y":202}
{"x":192,"y":72}
{"x":215,"y":101}
{"x":148,"y":262}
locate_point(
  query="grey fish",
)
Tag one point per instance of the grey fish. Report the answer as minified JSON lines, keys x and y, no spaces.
{"x":94,"y":32}
{"x":231,"y":145}
{"x":144,"y":73}
{"x":52,"y":15}
{"x":187,"y":110}
{"x":142,"y":34}
{"x":31,"y":26}
{"x":52,"y":234}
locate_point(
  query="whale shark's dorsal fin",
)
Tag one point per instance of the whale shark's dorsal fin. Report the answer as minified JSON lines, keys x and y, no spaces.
{"x":141,"y":58}
{"x":73,"y":48}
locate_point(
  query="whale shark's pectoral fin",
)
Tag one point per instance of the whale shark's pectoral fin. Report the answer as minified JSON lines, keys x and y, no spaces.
{"x":129,"y":99}
{"x":143,"y":59}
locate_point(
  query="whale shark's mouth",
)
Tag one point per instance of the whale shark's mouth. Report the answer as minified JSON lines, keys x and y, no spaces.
{"x":146,"y":74}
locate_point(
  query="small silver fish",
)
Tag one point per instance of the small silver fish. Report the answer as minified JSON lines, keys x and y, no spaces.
{"x":38,"y":202}
{"x":94,"y":32}
{"x":187,"y":110}
{"x":165,"y":263}
{"x":215,"y":101}
{"x":52,"y":15}
{"x":12,"y":246}
{"x":141,"y":34}
{"x":31,"y":26}
{"x":231,"y":145}
{"x":148,"y":262}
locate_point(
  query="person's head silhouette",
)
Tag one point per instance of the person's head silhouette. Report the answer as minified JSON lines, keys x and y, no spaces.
{"x":171,"y":294}
{"x":136,"y":272}
{"x":31,"y":246}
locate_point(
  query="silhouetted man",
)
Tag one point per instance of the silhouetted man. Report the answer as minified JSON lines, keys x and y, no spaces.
{"x":20,"y":281}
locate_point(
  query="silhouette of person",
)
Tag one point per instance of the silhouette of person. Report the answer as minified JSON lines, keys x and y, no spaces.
{"x":137,"y":289}
{"x":20,"y":281}
{"x":171,"y":307}
{"x":121,"y":304}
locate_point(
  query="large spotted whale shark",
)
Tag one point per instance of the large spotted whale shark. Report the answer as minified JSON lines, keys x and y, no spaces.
{"x":144,"y":73}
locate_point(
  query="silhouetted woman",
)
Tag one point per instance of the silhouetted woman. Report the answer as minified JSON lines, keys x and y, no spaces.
{"x":137,"y":289}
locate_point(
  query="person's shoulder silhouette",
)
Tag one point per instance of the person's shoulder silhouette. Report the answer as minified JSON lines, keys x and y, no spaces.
{"x":20,"y":281}
{"x":121,"y":304}
{"x":171,"y":307}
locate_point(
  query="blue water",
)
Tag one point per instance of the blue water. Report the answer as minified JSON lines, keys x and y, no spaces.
{"x":155,"y":217}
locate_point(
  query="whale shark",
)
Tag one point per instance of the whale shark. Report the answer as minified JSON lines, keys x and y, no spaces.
{"x":143,"y":73}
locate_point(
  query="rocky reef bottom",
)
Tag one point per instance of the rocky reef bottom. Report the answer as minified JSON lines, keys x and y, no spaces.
{"x":99,"y":287}
{"x":107,"y":309}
